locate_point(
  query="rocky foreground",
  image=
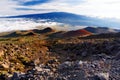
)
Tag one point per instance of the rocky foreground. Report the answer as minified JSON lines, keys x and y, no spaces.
{"x":40,"y":57}
{"x":78,"y":70}
{"x":85,"y":60}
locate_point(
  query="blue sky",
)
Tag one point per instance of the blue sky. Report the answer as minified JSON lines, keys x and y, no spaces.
{"x":95,"y":8}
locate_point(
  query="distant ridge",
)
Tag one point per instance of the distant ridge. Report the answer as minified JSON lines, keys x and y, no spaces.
{"x":46,"y":30}
{"x":70,"y":18}
{"x":94,"y":33}
{"x":33,"y":32}
{"x":101,"y":30}
{"x":74,"y":33}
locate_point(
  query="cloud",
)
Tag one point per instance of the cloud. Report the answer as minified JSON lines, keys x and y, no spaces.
{"x":30,"y":9}
{"x":101,"y":8}
{"x":11,"y":7}
{"x":96,"y":8}
{"x":31,"y":2}
{"x":10,"y":24}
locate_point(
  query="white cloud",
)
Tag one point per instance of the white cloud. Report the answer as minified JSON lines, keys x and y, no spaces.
{"x":23,"y":24}
{"x":101,"y":8}
{"x":7,"y":24}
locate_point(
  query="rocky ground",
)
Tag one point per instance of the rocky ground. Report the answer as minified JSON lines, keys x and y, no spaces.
{"x":37,"y":57}
{"x":76,"y":70}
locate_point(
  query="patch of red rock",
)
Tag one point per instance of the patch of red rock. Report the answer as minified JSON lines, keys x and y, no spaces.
{"x":80,"y":32}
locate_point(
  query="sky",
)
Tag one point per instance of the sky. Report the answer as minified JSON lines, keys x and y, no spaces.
{"x":94,"y":8}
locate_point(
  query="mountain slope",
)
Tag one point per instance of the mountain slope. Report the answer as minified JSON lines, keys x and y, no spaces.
{"x":27,"y":32}
{"x":101,"y":30}
{"x":80,"y":32}
{"x":69,"y":18}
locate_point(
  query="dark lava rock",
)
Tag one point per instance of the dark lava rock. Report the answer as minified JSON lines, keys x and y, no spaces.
{"x":117,"y":57}
{"x":84,"y":53}
{"x":96,"y":77}
{"x":15,"y":76}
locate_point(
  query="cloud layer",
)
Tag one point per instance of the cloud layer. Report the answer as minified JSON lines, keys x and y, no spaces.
{"x":11,"y":24}
{"x":96,"y":8}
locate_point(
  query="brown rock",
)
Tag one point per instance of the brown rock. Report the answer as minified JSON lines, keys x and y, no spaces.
{"x":1,"y":52}
{"x":4,"y":65}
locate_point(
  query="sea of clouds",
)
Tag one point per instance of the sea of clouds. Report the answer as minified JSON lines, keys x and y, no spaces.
{"x":12,"y":24}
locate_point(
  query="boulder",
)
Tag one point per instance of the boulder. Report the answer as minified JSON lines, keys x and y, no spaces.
{"x":84,"y":53}
{"x":15,"y":76}
{"x":4,"y":65}
{"x":65,"y":65}
{"x":117,"y":56}
{"x":1,"y":52}
{"x":100,"y":76}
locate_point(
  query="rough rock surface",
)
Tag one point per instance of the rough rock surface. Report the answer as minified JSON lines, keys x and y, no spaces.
{"x":78,"y":70}
{"x":63,"y":59}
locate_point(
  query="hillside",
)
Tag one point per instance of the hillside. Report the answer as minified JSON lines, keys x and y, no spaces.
{"x":74,"y":33}
{"x":70,"y":18}
{"x":101,"y":30}
{"x":42,"y":54}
